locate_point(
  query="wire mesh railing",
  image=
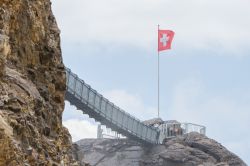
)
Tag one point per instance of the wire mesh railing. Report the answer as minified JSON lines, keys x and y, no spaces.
{"x":102,"y":110}
{"x":170,"y":130}
{"x":106,"y":109}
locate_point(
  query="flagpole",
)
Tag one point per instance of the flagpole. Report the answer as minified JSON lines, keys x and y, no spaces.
{"x":158,"y":75}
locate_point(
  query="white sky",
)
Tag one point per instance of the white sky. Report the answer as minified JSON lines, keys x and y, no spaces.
{"x":204,"y":79}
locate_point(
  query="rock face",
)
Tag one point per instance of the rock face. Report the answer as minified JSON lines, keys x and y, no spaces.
{"x":189,"y":150}
{"x":32,"y":86}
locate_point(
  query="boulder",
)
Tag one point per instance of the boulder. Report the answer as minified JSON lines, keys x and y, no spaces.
{"x":188,"y":150}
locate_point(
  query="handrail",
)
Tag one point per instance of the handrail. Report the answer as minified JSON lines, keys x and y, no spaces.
{"x":85,"y":98}
{"x":101,"y":109}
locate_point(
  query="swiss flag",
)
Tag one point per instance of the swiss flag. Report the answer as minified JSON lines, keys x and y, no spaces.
{"x":165,"y":38}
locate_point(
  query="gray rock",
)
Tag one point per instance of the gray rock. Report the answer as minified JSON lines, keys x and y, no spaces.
{"x":189,"y":150}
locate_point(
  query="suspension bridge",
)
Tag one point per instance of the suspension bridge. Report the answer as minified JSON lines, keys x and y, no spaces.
{"x":90,"y":102}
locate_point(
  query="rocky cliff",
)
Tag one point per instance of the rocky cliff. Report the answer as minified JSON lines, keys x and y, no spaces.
{"x":189,"y":150}
{"x":32,"y":86}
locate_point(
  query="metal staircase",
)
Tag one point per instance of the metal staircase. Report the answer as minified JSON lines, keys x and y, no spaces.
{"x":102,"y":110}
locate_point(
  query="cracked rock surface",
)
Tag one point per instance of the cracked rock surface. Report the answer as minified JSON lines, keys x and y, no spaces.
{"x":32,"y":87}
{"x":189,"y":150}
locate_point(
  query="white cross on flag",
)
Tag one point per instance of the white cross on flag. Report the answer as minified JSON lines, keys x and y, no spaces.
{"x":165,"y":38}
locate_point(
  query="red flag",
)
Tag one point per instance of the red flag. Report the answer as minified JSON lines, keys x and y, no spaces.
{"x":165,"y":38}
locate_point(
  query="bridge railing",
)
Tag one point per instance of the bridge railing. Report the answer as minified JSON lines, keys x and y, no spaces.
{"x":108,"y":110}
{"x":170,"y":130}
{"x":191,"y":127}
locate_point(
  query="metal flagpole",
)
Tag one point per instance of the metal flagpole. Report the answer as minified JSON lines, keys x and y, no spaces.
{"x":158,"y":74}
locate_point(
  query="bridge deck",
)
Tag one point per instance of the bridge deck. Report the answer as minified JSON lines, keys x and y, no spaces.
{"x":102,"y":110}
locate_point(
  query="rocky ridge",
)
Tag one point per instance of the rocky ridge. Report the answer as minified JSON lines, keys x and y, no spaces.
{"x":32,"y":86}
{"x":189,"y":150}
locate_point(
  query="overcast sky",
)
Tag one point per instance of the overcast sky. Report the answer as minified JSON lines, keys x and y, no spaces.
{"x":205,"y":78}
